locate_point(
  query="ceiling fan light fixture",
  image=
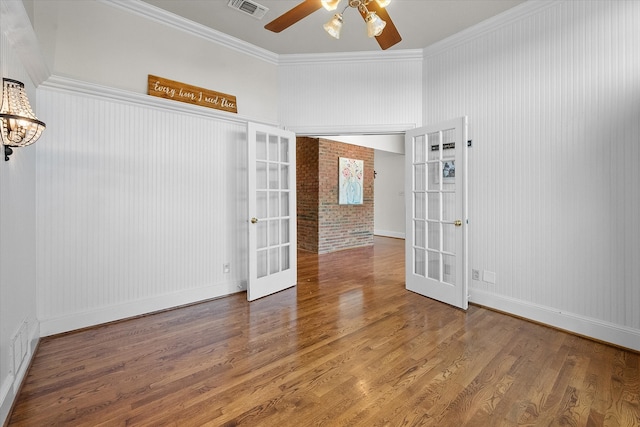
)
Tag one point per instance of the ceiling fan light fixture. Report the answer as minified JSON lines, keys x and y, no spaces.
{"x":383,"y":3}
{"x":330,"y":4}
{"x":334,"y":26}
{"x":375,"y":25}
{"x":376,"y":20}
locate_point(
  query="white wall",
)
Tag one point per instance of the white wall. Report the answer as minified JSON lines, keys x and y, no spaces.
{"x":388,"y":194}
{"x":18,"y":323}
{"x":358,"y":93}
{"x":118,"y":44}
{"x":553,"y":100}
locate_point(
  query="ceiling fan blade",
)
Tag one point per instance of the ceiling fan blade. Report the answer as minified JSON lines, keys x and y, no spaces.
{"x":292,"y":16}
{"x":390,"y":34}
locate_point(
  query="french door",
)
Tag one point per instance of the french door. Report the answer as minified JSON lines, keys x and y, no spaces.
{"x":272,"y":210}
{"x":436,"y":214}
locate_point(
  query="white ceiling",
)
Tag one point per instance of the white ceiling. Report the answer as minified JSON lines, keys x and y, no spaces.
{"x":420,"y":23}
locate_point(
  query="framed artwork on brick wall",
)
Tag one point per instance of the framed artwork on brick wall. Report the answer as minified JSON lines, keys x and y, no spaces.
{"x":350,"y":181}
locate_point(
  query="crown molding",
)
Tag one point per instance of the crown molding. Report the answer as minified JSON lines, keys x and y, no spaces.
{"x":178,"y":22}
{"x":352,"y":57}
{"x":494,"y":23}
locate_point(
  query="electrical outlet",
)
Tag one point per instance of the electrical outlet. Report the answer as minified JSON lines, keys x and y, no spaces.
{"x":475,"y":274}
{"x":489,"y":276}
{"x":226,"y":267}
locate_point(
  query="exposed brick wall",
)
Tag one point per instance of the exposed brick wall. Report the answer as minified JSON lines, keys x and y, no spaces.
{"x":307,"y":193}
{"x":337,"y":226}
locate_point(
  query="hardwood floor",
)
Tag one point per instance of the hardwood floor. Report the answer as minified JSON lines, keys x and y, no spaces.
{"x":347,"y":346}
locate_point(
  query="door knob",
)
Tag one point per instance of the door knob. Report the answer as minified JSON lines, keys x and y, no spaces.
{"x":254,"y":220}
{"x":457,"y":223}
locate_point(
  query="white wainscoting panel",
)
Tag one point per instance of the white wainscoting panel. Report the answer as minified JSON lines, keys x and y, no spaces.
{"x":138,"y":208}
{"x":553,"y":101}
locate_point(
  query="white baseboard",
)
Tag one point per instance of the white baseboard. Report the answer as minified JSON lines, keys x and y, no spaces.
{"x":388,"y":233}
{"x":11,"y":383}
{"x":112,"y":313}
{"x":585,"y":326}
{"x":7,"y":396}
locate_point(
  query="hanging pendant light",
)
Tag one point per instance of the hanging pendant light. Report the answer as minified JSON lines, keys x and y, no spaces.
{"x":334,"y":26}
{"x":375,"y":25}
{"x":330,"y":4}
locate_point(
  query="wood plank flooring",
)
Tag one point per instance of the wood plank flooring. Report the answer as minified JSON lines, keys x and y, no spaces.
{"x":347,"y":346}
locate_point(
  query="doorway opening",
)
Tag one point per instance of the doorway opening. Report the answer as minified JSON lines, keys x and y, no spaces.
{"x":326,"y":221}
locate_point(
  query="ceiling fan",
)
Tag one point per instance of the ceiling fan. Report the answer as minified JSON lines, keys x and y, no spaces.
{"x":379,"y":24}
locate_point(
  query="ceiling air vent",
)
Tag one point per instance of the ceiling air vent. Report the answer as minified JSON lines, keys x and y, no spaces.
{"x":249,"y":7}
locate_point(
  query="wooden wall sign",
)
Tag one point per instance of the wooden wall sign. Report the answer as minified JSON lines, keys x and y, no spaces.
{"x":169,"y":89}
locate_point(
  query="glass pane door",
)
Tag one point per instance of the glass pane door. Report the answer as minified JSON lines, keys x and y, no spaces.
{"x":272,"y":210}
{"x":436,"y":238}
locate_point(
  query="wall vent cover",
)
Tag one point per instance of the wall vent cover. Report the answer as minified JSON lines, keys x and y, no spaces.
{"x":249,"y":7}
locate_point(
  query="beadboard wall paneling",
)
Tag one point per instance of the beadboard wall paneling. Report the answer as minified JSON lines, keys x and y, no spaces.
{"x":553,"y":101}
{"x":138,"y":208}
{"x":350,"y":96}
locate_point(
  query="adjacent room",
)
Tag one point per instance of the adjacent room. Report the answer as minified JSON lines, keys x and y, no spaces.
{"x":173,"y":252}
